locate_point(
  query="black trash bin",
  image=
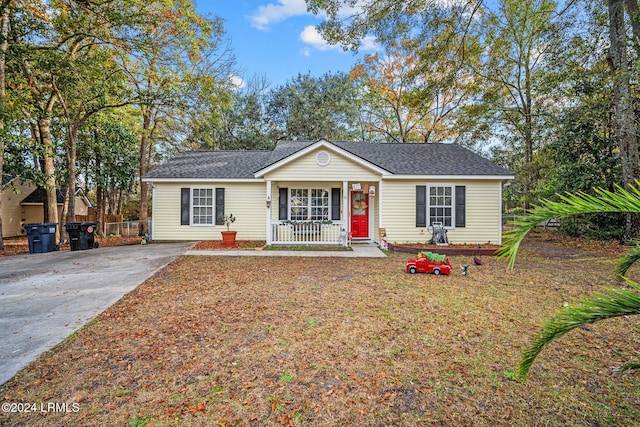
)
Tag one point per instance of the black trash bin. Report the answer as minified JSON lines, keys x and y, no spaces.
{"x":42,"y":237}
{"x":81,"y":235}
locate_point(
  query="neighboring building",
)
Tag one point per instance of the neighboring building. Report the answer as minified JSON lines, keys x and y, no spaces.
{"x":23,"y":203}
{"x":319,"y":192}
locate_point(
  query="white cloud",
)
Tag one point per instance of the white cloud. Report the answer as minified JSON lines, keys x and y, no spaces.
{"x":236,"y":81}
{"x":267,"y":15}
{"x":313,"y":38}
{"x":369,"y":43}
{"x":272,"y":13}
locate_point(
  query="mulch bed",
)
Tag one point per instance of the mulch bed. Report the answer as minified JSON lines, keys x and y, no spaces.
{"x":216,"y":245}
{"x":448,"y":250}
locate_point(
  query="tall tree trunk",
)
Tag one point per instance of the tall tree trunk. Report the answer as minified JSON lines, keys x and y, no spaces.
{"x":100,"y":208}
{"x":72,"y":139}
{"x":624,"y":114}
{"x":63,"y":221}
{"x":44,"y":126}
{"x":4,"y":45}
{"x":148,"y":115}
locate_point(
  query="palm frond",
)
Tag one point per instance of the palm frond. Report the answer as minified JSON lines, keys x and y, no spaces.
{"x":595,"y":307}
{"x":629,"y":366}
{"x":604,"y":201}
{"x":625,"y":263}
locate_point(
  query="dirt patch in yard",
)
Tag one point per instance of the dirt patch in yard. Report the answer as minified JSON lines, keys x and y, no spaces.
{"x":339,"y":341}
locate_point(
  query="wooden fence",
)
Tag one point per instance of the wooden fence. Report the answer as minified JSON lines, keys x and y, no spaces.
{"x":93,"y":215}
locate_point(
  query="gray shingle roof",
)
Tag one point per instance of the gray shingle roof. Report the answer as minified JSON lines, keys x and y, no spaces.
{"x":37,"y":196}
{"x":424,"y":159}
{"x":399,"y":159}
{"x":212,"y":164}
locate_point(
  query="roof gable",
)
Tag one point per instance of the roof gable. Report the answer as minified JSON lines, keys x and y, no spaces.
{"x":37,"y":196}
{"x":288,"y":153}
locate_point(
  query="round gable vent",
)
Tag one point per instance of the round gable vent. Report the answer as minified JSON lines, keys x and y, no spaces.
{"x":323,"y":158}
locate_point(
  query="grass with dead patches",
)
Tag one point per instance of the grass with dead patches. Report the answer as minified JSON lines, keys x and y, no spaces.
{"x":339,"y":341}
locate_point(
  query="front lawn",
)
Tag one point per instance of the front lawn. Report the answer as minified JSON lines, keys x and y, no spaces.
{"x":340,"y":341}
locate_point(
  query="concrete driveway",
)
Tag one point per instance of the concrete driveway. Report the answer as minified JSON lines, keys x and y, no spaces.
{"x":46,"y":297}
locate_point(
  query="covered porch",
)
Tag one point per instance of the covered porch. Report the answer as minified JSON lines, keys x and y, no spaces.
{"x":322,"y":212}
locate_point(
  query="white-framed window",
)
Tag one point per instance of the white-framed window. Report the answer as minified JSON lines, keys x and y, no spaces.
{"x":203,"y":206}
{"x":309,"y":204}
{"x":441,"y":205}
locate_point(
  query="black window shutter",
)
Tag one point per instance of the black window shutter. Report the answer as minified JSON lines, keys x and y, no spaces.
{"x":461,"y":196}
{"x":335,"y":204}
{"x":185,"y":205}
{"x":421,"y":205}
{"x":219,"y":206}
{"x":283,"y":204}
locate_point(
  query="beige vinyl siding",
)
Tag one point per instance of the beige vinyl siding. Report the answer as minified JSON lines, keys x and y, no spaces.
{"x":246,"y":201}
{"x":35,"y":213}
{"x":81,"y":207}
{"x":13,"y":216}
{"x":483,"y":212}
{"x":339,"y":168}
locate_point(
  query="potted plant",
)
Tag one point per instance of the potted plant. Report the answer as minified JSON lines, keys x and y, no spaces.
{"x":228,"y":237}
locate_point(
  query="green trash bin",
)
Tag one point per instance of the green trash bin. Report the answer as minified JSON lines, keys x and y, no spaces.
{"x":41,"y":237}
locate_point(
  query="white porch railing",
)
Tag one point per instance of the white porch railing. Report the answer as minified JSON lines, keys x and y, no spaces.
{"x":307,"y":233}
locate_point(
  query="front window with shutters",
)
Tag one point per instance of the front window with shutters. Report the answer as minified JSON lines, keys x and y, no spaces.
{"x":441,"y":205}
{"x":202,"y":206}
{"x":309,"y":204}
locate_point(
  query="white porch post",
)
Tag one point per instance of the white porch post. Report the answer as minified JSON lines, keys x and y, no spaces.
{"x":268,"y":199}
{"x":346,"y":210}
{"x":380,"y":223}
{"x":153,"y":212}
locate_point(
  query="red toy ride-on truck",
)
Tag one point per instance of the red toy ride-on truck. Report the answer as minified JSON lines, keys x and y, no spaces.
{"x":429,"y":262}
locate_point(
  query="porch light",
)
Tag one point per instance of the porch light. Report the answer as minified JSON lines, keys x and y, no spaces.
{"x":268,"y":200}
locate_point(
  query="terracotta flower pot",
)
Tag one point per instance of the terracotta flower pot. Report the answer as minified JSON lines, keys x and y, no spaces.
{"x":228,"y":238}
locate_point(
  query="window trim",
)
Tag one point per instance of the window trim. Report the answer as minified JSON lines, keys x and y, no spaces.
{"x":193,"y":206}
{"x":453,"y":204}
{"x":309,"y":206}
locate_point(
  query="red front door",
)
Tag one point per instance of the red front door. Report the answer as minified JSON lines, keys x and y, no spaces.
{"x":359,"y":214}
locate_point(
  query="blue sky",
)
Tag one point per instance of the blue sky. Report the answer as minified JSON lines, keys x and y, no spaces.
{"x":277,"y":39}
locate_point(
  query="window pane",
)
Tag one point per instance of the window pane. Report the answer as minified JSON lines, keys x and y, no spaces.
{"x":309,"y":204}
{"x":202,"y":206}
{"x":298,"y":213}
{"x":441,"y":205}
